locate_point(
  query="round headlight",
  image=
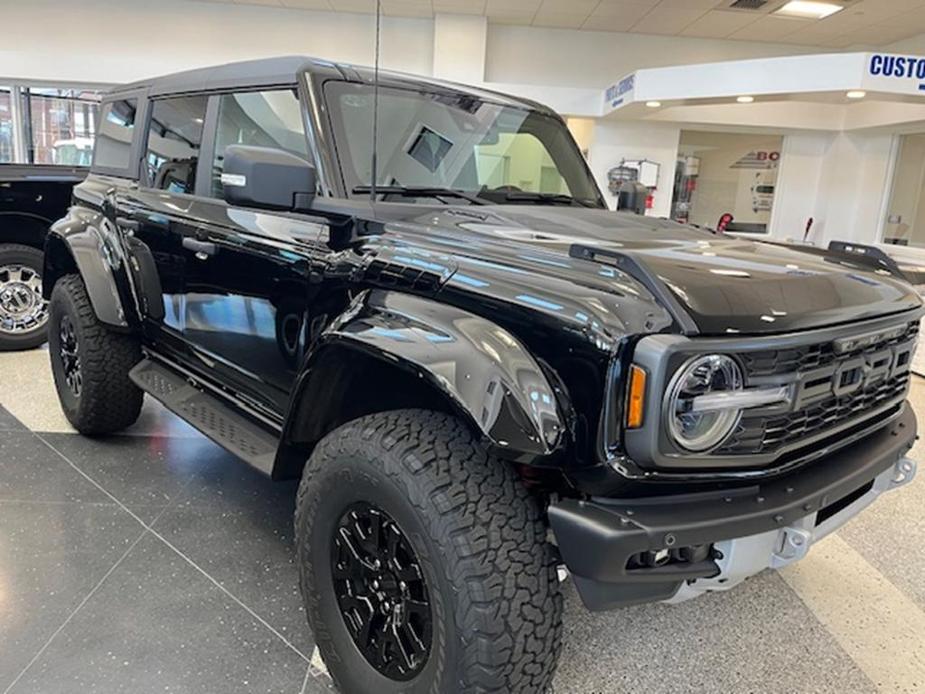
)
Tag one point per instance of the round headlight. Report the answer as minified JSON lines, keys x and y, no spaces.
{"x":699,"y":429}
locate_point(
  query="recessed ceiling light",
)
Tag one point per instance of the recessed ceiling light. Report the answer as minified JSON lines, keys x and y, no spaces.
{"x":809,"y":9}
{"x":745,"y":99}
{"x":654,"y":104}
{"x":856,"y":94}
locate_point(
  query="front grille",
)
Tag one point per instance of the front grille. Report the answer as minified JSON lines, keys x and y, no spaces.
{"x":768,"y":433}
{"x":774,"y":362}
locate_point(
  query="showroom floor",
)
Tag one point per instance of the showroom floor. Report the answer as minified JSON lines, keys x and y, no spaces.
{"x":156,"y":562}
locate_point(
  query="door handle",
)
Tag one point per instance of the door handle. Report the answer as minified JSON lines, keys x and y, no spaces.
{"x":202,"y":249}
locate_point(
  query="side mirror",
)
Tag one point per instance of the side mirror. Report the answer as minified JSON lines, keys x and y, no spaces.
{"x":268,"y":178}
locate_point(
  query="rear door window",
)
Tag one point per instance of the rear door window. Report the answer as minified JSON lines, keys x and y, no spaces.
{"x":174,"y":139}
{"x":113,"y":148}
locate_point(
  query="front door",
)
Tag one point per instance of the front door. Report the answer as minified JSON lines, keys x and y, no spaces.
{"x":235,"y":282}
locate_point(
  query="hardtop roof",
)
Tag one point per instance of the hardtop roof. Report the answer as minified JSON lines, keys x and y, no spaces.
{"x":284,"y":71}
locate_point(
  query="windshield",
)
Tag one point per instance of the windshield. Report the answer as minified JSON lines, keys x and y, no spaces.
{"x":456,"y":142}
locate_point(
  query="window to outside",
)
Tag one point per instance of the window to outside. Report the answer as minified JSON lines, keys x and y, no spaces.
{"x":905,"y":222}
{"x":455,"y":141}
{"x":6,"y":127}
{"x":260,"y":119}
{"x":114,"y":141}
{"x":726,"y":173}
{"x":59,"y":125}
{"x":174,"y":139}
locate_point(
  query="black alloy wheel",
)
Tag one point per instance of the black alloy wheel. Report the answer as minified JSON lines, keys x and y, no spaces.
{"x":381,"y":592}
{"x":70,"y":356}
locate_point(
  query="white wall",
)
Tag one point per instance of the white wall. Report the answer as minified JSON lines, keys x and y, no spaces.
{"x":797,"y":197}
{"x":615,"y":141}
{"x":534,"y":55}
{"x":110,"y":41}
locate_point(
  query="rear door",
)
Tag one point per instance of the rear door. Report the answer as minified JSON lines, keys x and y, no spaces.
{"x":159,"y":216}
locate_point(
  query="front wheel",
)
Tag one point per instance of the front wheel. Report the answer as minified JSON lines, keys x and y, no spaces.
{"x":424,"y":561}
{"x":23,"y":310}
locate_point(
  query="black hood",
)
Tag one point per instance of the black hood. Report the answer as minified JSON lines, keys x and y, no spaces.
{"x":723,"y":284}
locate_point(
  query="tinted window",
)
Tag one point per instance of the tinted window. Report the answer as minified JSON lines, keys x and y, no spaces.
{"x":260,"y":119}
{"x":114,"y":140}
{"x":174,"y":138}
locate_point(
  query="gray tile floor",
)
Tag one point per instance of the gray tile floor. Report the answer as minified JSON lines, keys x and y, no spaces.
{"x":156,"y":562}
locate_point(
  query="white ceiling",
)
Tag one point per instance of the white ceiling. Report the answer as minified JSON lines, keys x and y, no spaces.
{"x":863,"y":22}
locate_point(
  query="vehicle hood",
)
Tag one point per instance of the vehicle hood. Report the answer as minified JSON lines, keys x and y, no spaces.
{"x":723,"y":284}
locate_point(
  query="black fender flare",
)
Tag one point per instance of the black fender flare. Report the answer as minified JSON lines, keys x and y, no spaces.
{"x":483,"y":370}
{"x":89,"y":243}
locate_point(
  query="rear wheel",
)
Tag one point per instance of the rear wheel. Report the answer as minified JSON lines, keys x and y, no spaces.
{"x":90,"y":363}
{"x":23,"y":310}
{"x":424,"y":562}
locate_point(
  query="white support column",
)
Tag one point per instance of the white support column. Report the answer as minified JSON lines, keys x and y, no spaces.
{"x":459,"y":47}
{"x":16,"y":115}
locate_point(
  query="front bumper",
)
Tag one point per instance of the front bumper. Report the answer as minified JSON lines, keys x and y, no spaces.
{"x":747,"y":529}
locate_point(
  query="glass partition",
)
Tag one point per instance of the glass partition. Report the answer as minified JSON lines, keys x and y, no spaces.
{"x":905,"y":215}
{"x":59,"y":125}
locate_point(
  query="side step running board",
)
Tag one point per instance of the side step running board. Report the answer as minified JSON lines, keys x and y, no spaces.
{"x":208,"y":414}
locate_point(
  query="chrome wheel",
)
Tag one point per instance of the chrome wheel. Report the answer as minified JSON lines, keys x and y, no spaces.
{"x":70,"y":357}
{"x":22,"y":307}
{"x":381,"y":592}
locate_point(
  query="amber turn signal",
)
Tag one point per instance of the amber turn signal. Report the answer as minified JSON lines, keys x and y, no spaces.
{"x":636,"y":397}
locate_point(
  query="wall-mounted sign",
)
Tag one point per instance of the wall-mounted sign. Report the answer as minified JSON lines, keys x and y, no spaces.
{"x":896,"y":72}
{"x":617,"y":93}
{"x":758,"y":159}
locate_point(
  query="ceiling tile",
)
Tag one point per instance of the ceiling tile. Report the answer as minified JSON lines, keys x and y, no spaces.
{"x":563,"y":20}
{"x":271,"y":3}
{"x":407,"y":8}
{"x":610,"y":17}
{"x":691,"y":4}
{"x":768,"y":29}
{"x":353,"y":5}
{"x":307,"y":4}
{"x":877,"y":35}
{"x":460,"y":6}
{"x":664,"y":20}
{"x":719,"y":24}
{"x":914,"y":20}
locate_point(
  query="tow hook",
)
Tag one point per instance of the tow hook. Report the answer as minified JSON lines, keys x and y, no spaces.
{"x":792,"y":545}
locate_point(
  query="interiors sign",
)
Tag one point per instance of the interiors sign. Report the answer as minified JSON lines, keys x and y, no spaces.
{"x":903,"y":73}
{"x":616,"y":94}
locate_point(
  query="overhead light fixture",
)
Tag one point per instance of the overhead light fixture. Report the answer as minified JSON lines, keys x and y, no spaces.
{"x":809,"y":9}
{"x":654,"y":104}
{"x":856,"y":94}
{"x":745,"y":99}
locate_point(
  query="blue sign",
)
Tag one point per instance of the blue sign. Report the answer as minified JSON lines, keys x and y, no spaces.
{"x":615,"y":91}
{"x":901,"y":67}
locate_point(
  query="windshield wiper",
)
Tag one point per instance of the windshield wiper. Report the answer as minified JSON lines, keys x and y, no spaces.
{"x":422,"y":192}
{"x":553,"y":198}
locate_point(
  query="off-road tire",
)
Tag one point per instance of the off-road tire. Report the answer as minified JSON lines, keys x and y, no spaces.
{"x":32,"y":258}
{"x":482,"y":543}
{"x":108,"y":401}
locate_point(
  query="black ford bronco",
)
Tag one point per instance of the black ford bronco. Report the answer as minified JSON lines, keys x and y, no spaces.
{"x":484,"y":378}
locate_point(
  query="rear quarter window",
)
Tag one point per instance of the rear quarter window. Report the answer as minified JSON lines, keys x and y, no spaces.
{"x":113,"y":148}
